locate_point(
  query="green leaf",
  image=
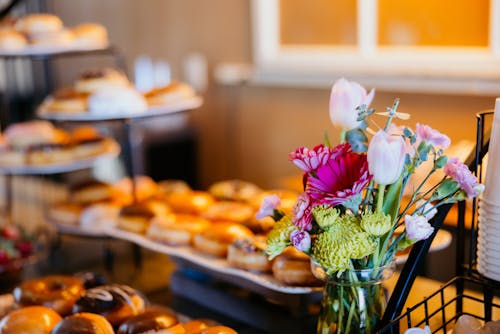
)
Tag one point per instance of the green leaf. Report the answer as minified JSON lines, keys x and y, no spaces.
{"x":441,"y":161}
{"x":445,"y":189}
{"x":358,"y":140}
{"x":392,"y":198}
{"x":407,"y":133}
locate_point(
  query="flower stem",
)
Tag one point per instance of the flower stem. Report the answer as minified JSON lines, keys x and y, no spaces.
{"x":380,"y":197}
{"x":343,"y":136}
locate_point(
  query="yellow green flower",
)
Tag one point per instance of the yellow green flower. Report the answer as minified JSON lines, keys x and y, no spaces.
{"x":279,"y":237}
{"x":376,"y":223}
{"x":325,"y":216}
{"x":329,"y":254}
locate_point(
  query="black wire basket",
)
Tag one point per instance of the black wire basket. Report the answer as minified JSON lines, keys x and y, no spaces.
{"x":469,"y":293}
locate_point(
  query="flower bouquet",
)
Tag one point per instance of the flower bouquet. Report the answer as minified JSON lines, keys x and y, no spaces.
{"x":351,"y":219}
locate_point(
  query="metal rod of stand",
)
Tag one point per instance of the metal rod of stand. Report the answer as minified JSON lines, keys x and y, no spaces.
{"x":132,"y":171}
{"x":8,"y":199}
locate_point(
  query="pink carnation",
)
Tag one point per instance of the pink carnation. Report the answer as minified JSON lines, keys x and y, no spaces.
{"x":344,"y":175}
{"x":431,"y":136}
{"x":301,"y":240}
{"x":459,"y":172}
{"x":302,"y":216}
{"x":269,"y":204}
{"x":310,"y":159}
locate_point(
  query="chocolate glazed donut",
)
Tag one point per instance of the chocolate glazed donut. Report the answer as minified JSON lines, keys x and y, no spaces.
{"x":153,"y":320}
{"x":116,"y":303}
{"x":83,"y":323}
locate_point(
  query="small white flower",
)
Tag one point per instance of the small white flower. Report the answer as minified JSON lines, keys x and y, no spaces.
{"x":417,"y":227}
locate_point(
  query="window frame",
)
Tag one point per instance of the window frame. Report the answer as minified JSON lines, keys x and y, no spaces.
{"x":464,"y":70}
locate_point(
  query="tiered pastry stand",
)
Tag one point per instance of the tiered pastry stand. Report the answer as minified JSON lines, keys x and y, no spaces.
{"x":45,"y":55}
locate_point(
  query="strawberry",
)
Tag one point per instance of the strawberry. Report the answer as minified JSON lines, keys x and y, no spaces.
{"x":4,"y":258}
{"x":25,"y":248}
{"x":10,"y":232}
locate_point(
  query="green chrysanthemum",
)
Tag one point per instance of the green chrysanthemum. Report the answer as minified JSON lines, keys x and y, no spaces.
{"x":325,"y":216}
{"x":279,"y":237}
{"x":376,"y":223}
{"x":329,"y":254}
{"x":335,"y":248}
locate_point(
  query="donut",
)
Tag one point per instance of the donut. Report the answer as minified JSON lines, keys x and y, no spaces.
{"x":90,"y":35}
{"x":59,"y":38}
{"x":234,"y":190}
{"x":171,"y":93}
{"x":219,"y":330}
{"x":83,"y":323}
{"x":229,"y":211}
{"x":198,"y":325}
{"x":98,"y":79}
{"x":293,"y":267}
{"x":67,"y":100}
{"x":100,"y":215}
{"x":168,"y":187}
{"x":249,"y":254}
{"x":135,"y":218}
{"x":31,"y":319}
{"x":216,"y":239}
{"x":49,"y":153}
{"x":144,"y":187}
{"x":90,"y":279}
{"x":38,"y":23}
{"x":57,"y":292}
{"x":65,"y":213}
{"x":117,"y":100}
{"x":176,"y":229}
{"x":115,"y":302}
{"x":11,"y":40}
{"x":23,"y":135}
{"x":91,"y":191}
{"x":152,"y":321}
{"x":193,"y":202}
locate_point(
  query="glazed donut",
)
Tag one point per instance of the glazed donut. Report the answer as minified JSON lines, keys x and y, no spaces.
{"x":145,"y":187}
{"x":293,"y":267}
{"x":229,"y":211}
{"x":219,"y":330}
{"x":168,"y":187}
{"x":91,"y":280}
{"x":115,"y":100}
{"x":216,"y":240}
{"x":192,"y":202}
{"x":90,"y":35}
{"x":12,"y":40}
{"x":116,"y":303}
{"x":98,"y":79}
{"x":174,"y":92}
{"x":60,"y":38}
{"x":23,"y":135}
{"x":31,"y":319}
{"x":38,"y":23}
{"x":176,"y":229}
{"x":135,"y":218}
{"x":65,"y":213}
{"x":57,"y":292}
{"x":67,"y":100}
{"x":249,"y":254}
{"x":92,"y":191}
{"x":198,"y":325}
{"x":148,"y":322}
{"x":234,"y":190}
{"x":83,"y":323}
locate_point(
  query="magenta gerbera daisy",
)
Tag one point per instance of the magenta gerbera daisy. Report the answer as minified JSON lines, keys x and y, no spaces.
{"x":344,"y":176}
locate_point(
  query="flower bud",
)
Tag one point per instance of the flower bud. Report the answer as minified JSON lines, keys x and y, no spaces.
{"x":417,"y":227}
{"x":301,"y":240}
{"x":386,"y":157}
{"x":345,"y":97}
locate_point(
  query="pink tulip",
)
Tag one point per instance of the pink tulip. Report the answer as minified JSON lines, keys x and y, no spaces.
{"x":345,"y":97}
{"x":417,"y":227}
{"x":386,"y":157}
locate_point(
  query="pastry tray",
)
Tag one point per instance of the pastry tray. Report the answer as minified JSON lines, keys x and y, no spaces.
{"x":40,"y":51}
{"x":217,"y":266}
{"x":63,"y":167}
{"x":152,"y":111}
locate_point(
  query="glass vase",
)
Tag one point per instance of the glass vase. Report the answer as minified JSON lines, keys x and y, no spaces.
{"x":354,"y":301}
